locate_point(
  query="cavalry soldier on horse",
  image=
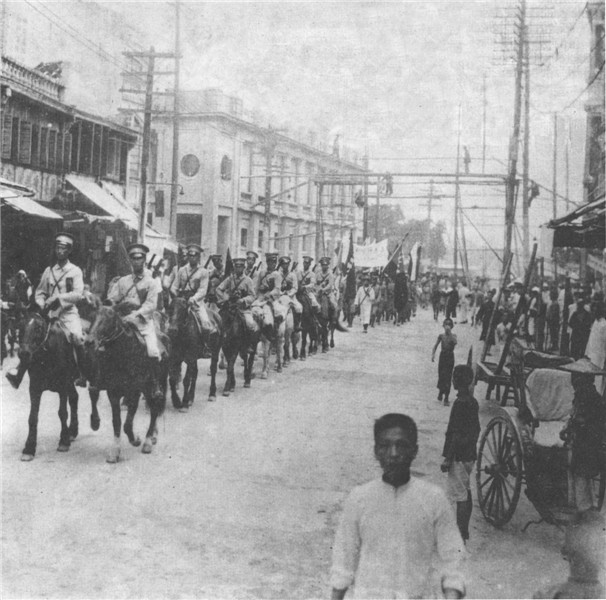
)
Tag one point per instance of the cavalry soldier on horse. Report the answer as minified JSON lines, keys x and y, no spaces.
{"x":191,"y":283}
{"x":289,"y":288}
{"x":268,"y":291}
{"x":60,"y":288}
{"x":307,"y":282}
{"x":250,"y":270}
{"x":238,"y":288}
{"x":135,"y":297}
{"x":216,"y":276}
{"x":325,"y":284}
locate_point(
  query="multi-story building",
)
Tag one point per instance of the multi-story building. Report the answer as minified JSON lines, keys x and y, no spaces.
{"x":223,"y":169}
{"x":594,"y":145}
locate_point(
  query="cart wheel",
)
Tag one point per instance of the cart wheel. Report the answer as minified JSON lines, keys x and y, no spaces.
{"x":499,"y":471}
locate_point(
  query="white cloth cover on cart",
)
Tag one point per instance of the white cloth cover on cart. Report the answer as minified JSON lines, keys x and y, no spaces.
{"x":549,"y":396}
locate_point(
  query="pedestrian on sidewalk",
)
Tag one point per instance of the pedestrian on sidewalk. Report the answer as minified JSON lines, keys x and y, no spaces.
{"x":393,"y":528}
{"x":364,"y":301}
{"x":460,"y":446}
{"x":447,"y":342}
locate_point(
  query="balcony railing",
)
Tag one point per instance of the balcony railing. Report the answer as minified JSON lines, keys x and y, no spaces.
{"x":15,"y":73}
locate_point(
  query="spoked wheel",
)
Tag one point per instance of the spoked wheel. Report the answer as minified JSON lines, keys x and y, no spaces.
{"x":499,"y":471}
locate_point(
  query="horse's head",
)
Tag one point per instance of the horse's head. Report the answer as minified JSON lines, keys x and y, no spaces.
{"x":177,"y":315}
{"x":34,"y":334}
{"x":106,"y":327}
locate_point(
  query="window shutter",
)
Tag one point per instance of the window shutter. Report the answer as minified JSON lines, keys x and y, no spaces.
{"x":52,"y":149}
{"x":67,"y":152}
{"x":59,"y":151}
{"x":159,"y":203}
{"x":35,"y":154}
{"x":7,"y":135}
{"x":25,"y":143}
{"x":43,"y":146}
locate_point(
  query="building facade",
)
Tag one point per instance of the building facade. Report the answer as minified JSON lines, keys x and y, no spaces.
{"x":223,"y":169}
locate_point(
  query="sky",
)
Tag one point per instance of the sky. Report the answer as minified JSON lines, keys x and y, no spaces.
{"x":391,"y":78}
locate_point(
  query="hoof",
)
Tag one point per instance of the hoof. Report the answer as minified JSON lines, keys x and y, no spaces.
{"x":212,"y":398}
{"x":184,"y":409}
{"x":263,"y":375}
{"x":222,"y":366}
{"x":301,"y":358}
{"x":136,"y":442}
{"x":278,"y":369}
{"x":177,"y":402}
{"x":113,"y":456}
{"x":147,"y":447}
{"x":94,"y":422}
{"x":73,"y":437}
{"x":226,"y":393}
{"x":62,"y":447}
{"x":247,"y":384}
{"x":27,"y":457}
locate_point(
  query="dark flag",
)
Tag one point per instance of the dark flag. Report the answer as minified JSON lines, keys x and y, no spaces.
{"x":414,"y":261}
{"x":391,"y":267}
{"x":350,"y":278}
{"x":228,"y":264}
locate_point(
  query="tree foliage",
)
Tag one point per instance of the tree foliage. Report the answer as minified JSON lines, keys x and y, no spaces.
{"x":394,"y":226}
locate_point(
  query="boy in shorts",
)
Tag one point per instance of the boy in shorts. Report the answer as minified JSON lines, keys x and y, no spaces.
{"x":460,"y":446}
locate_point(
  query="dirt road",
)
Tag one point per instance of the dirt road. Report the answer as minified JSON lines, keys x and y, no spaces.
{"x":241,"y":497}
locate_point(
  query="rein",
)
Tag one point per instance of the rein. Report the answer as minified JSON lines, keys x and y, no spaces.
{"x":112,"y":337}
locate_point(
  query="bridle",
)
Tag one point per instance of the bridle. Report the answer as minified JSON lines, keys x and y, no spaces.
{"x":112,"y":337}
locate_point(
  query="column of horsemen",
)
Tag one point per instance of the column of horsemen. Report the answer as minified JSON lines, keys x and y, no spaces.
{"x":261,"y":293}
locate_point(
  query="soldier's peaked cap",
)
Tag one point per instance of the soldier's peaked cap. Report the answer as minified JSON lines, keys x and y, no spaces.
{"x":135,"y":250}
{"x":216,"y":256}
{"x":285,"y":259}
{"x":325,"y":260}
{"x":194,"y":249}
{"x":64,"y":238}
{"x":269,"y":255}
{"x":252,"y":253}
{"x":238,"y":261}
{"x":307,"y":257}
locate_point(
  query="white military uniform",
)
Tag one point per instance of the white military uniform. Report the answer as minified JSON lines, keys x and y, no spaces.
{"x":364,"y":299}
{"x":67,"y":285}
{"x":192,"y":283}
{"x":307,"y":283}
{"x":289,"y":288}
{"x":143,"y":291}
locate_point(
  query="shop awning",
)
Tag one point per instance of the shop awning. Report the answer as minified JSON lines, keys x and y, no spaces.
{"x":27,"y":206}
{"x":584,"y":227}
{"x":117,"y":208}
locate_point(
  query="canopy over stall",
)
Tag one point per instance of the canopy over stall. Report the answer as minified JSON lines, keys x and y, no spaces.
{"x":582,"y":228}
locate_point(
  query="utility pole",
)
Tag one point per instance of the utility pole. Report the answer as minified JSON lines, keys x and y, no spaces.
{"x":457,"y":191}
{"x":484,"y":107}
{"x":378,"y":208}
{"x":554,"y":185}
{"x":269,"y":149}
{"x":515,"y":138}
{"x":430,"y":201}
{"x":319,"y":223}
{"x":525,"y":156}
{"x":149,"y":91}
{"x":174,"y":196}
{"x":365,"y":196}
{"x":567,"y":163}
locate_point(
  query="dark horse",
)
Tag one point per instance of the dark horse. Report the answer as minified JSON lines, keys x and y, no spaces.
{"x":309,"y":327}
{"x":187,"y":345}
{"x":123,"y":370}
{"x":51,"y":364}
{"x":328,"y":320}
{"x":236,"y":339}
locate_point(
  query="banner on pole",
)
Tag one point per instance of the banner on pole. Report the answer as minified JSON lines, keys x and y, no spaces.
{"x":371,"y":255}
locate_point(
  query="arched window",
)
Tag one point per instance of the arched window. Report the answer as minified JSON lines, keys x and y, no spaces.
{"x":226,"y":167}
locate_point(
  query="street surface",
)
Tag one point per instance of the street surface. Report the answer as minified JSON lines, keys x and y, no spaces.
{"x":240,"y":498}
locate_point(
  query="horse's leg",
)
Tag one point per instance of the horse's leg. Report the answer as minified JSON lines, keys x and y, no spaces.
{"x":156,"y":408}
{"x":266,"y":346}
{"x":296,"y":336}
{"x":280,"y":345}
{"x":186,"y":383}
{"x":133,"y":404}
{"x":113,"y":456}
{"x":73,"y":409}
{"x":230,"y":357}
{"x":303,"y":342}
{"x":214,"y":359}
{"x":193,"y":378}
{"x":249,"y":361}
{"x":332,"y":335}
{"x":64,"y":441}
{"x":174,"y":375}
{"x":95,"y":420}
{"x":29,"y":451}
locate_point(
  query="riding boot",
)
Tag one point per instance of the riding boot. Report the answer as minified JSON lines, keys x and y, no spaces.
{"x":464,"y":510}
{"x":15,"y":376}
{"x":153,"y":367}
